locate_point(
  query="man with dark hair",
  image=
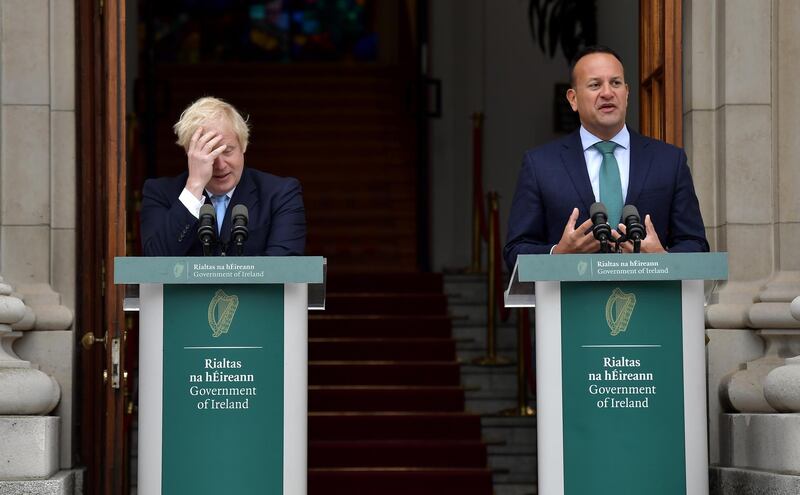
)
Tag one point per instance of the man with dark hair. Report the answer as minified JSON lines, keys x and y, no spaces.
{"x":602,"y":161}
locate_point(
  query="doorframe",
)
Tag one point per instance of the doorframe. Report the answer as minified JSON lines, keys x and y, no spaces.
{"x":101,"y":179}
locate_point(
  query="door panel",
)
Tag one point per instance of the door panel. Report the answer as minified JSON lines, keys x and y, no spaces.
{"x":660,"y":77}
{"x":101,"y":189}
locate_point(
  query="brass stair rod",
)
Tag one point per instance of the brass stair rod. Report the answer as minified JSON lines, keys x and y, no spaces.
{"x":522,"y":370}
{"x":475,"y":266}
{"x":491,"y":297}
{"x":491,"y":303}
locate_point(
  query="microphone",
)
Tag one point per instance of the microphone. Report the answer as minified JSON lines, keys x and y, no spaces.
{"x":239,"y":219}
{"x":207,"y":231}
{"x":600,"y":228}
{"x":634,"y":230}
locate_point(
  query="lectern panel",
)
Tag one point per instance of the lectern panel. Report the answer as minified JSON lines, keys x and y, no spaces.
{"x":623,"y":399}
{"x":223,"y":377}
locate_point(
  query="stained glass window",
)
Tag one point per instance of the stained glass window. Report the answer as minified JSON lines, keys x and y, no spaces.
{"x":198,"y":31}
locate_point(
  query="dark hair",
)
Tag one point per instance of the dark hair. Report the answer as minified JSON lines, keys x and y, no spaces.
{"x":588,"y":50}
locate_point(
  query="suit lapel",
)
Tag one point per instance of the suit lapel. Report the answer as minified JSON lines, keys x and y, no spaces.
{"x":640,"y":161}
{"x":575,"y":162}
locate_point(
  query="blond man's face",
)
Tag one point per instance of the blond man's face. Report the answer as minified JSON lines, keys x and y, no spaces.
{"x":228,"y":166}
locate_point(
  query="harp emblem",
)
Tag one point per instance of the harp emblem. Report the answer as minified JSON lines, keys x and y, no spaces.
{"x":619,"y":309}
{"x":221,"y":311}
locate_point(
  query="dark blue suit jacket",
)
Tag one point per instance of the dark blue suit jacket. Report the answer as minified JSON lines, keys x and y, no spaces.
{"x":277,"y":219}
{"x":554,"y":180}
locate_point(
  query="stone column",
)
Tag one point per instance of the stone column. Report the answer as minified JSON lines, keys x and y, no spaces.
{"x":37,"y":185}
{"x":782,"y":385}
{"x":30,"y":440}
{"x":741,"y":124}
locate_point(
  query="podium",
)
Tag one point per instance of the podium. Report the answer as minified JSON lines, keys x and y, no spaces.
{"x":620,"y":370}
{"x":223,"y":371}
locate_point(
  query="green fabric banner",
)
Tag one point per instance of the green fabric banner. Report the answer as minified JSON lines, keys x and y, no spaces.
{"x":622,"y":365}
{"x":223,"y":389}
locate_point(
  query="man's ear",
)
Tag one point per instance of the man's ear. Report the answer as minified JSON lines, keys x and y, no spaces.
{"x":572,"y":98}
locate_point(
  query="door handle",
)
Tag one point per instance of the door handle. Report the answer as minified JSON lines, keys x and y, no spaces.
{"x":88,"y":340}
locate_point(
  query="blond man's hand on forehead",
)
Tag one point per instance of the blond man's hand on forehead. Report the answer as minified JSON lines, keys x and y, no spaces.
{"x":201,"y":153}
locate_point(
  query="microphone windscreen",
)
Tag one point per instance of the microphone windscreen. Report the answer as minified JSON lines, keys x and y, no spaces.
{"x":630,"y":211}
{"x":597,"y":208}
{"x":240,"y":211}
{"x":207,"y":209}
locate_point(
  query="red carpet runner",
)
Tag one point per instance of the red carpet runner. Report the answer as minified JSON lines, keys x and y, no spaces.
{"x":386,"y":408}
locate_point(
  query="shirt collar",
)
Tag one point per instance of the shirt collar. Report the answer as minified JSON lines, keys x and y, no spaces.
{"x":622,"y":138}
{"x":229,"y":194}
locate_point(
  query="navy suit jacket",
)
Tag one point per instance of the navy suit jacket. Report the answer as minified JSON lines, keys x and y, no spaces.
{"x":277,"y":219}
{"x":554,"y":180}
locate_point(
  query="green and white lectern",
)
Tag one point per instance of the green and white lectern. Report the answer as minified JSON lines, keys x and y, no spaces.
{"x":223,"y":371}
{"x":620,"y":370}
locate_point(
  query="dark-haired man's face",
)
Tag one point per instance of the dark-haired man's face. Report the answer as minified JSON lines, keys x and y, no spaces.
{"x":599,"y":94}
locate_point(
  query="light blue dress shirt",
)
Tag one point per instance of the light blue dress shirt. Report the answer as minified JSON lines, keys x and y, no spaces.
{"x":594,"y":159}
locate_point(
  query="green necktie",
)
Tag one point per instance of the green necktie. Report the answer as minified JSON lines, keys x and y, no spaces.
{"x":610,"y":184}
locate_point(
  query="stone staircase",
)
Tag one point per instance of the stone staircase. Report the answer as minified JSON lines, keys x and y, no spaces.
{"x":511,"y":441}
{"x":386,"y":406}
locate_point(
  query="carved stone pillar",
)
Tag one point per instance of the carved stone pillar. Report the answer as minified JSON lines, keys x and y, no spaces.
{"x":758,"y":435}
{"x":24,"y":390}
{"x":29,"y":447}
{"x":782,"y":385}
{"x":770,"y":383}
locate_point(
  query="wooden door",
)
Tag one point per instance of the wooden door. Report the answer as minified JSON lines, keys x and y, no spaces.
{"x":101,"y":223}
{"x":660,"y":77}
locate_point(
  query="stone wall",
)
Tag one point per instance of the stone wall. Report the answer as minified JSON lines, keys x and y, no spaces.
{"x":741,"y":124}
{"x":37,"y":184}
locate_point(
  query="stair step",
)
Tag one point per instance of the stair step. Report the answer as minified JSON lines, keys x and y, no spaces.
{"x":383,"y":373}
{"x":365,"y":220}
{"x":400,"y":481}
{"x":385,"y":282}
{"x":378,"y":326}
{"x":386,"y":303}
{"x":397,"y":453}
{"x":403,"y":258}
{"x":385,"y":398}
{"x":347,"y":349}
{"x":362,"y":242}
{"x":344,"y":231}
{"x":366,"y":160}
{"x":355,"y":426}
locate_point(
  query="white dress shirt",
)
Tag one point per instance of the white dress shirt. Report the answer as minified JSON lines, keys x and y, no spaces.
{"x":594,"y":159}
{"x":193,"y":204}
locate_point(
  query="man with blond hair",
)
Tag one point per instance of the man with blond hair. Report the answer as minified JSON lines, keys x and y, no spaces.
{"x":215,"y":137}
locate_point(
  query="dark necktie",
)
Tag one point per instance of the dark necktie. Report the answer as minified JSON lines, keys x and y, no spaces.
{"x":610,"y":184}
